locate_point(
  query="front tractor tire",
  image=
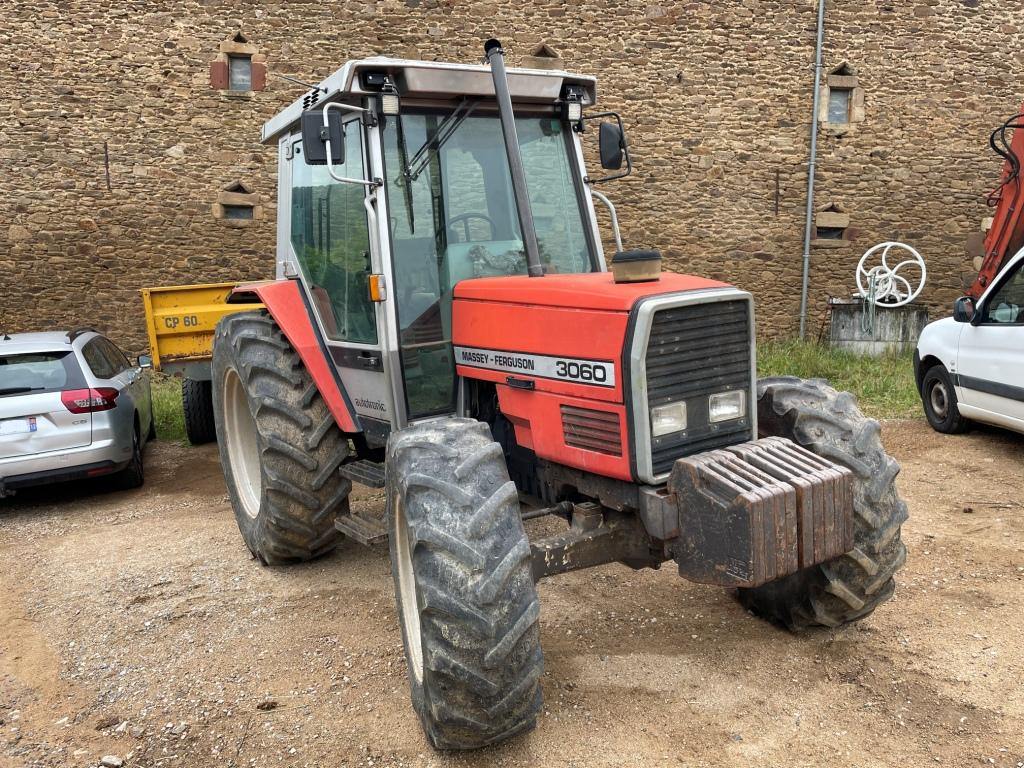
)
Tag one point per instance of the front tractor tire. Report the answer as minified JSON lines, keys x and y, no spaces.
{"x":464,"y":587}
{"x":850,"y":587}
{"x":280,"y":448}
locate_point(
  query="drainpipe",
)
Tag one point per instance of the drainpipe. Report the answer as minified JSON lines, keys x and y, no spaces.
{"x":810,"y":170}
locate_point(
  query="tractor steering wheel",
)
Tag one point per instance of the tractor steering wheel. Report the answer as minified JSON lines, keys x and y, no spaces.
{"x":464,"y":220}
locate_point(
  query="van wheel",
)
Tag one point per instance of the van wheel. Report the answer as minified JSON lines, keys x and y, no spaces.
{"x":280,"y":447}
{"x":940,"y":404}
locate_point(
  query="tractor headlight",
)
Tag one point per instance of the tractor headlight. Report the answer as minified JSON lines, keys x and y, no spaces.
{"x":666,"y":419}
{"x":726,"y":406}
{"x":389,"y":104}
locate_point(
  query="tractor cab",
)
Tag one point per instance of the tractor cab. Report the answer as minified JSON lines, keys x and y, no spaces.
{"x":395,"y":185}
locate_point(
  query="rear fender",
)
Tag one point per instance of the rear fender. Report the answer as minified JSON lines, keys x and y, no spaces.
{"x":289,"y":306}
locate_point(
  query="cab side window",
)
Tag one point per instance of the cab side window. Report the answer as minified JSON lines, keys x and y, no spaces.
{"x":1006,"y":305}
{"x":331,"y":240}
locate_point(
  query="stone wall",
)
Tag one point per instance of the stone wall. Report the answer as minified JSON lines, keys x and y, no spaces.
{"x":716,"y":98}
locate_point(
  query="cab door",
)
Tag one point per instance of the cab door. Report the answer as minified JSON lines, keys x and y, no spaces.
{"x":990,"y":365}
{"x":326,"y":234}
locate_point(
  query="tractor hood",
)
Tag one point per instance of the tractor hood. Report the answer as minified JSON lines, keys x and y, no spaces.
{"x":595,"y":291}
{"x":559,"y":351}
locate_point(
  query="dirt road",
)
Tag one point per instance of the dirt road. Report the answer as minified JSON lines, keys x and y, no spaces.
{"x":136,"y":625}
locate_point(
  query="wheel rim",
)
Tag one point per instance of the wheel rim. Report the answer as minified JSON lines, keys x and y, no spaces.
{"x":407,"y":590}
{"x":940,"y":399}
{"x":243,"y":449}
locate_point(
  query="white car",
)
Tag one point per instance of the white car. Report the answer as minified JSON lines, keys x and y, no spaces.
{"x":71,"y":406}
{"x":970,"y":367}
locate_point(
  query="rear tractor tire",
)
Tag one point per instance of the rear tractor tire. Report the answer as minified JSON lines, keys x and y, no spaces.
{"x":280,"y":448}
{"x":197,"y":404}
{"x":464,"y":587}
{"x":848,"y":588}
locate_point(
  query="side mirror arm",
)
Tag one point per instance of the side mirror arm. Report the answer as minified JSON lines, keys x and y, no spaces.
{"x":330,"y":166}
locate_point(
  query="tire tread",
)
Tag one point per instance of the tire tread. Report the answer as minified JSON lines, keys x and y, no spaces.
{"x":846,"y":589}
{"x":478,"y":604}
{"x":301,"y":447}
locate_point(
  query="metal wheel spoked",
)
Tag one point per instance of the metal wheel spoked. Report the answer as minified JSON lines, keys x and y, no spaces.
{"x":883,"y":284}
{"x":939,"y":399}
{"x":407,"y":587}
{"x":242,"y":445}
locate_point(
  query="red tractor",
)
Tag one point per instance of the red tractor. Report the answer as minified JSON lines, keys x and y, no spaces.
{"x":443,"y":326}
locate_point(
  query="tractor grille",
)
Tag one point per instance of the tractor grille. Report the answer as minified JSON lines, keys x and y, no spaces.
{"x":695,"y":351}
{"x":592,"y":430}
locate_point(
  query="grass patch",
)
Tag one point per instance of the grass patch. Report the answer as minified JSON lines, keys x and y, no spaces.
{"x":884,"y":386}
{"x":170,"y":419}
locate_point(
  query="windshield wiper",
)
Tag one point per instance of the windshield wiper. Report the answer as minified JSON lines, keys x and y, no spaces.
{"x":20,"y":390}
{"x":444,"y":132}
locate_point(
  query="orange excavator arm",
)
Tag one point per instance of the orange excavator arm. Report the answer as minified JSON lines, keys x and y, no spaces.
{"x":1006,"y":237}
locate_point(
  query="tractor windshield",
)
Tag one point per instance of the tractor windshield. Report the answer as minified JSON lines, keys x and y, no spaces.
{"x":453,"y":218}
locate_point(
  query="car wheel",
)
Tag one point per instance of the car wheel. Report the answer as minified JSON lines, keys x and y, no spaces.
{"x":133,"y":475}
{"x":940,"y":403}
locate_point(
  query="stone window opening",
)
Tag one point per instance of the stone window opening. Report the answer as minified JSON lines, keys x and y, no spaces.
{"x":239,"y":68}
{"x":842,"y":99}
{"x":238,"y":211}
{"x":237,"y":205}
{"x":831,"y":227}
{"x":239,"y":73}
{"x":839,"y":105}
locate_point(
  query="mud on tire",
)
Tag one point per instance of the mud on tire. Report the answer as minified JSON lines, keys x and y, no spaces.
{"x":846,"y":589}
{"x":463,"y":583}
{"x":280,"y":448}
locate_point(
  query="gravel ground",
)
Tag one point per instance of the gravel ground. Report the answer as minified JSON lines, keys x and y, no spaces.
{"x":135,"y":625}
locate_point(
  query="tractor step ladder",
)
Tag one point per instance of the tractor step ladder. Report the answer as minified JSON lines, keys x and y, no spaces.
{"x":365,"y":530}
{"x":364,"y":472}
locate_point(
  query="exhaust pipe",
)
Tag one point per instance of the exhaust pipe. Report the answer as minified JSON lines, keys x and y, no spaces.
{"x":496,"y":58}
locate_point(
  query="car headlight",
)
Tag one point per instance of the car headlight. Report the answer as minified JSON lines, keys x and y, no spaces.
{"x":666,"y":419}
{"x":726,"y":406}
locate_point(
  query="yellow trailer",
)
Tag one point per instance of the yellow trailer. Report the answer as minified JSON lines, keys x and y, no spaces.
{"x":180,"y":321}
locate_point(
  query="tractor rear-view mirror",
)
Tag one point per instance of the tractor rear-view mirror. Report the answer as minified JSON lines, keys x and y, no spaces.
{"x":613,"y":146}
{"x":963,"y":309}
{"x":315,"y":136}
